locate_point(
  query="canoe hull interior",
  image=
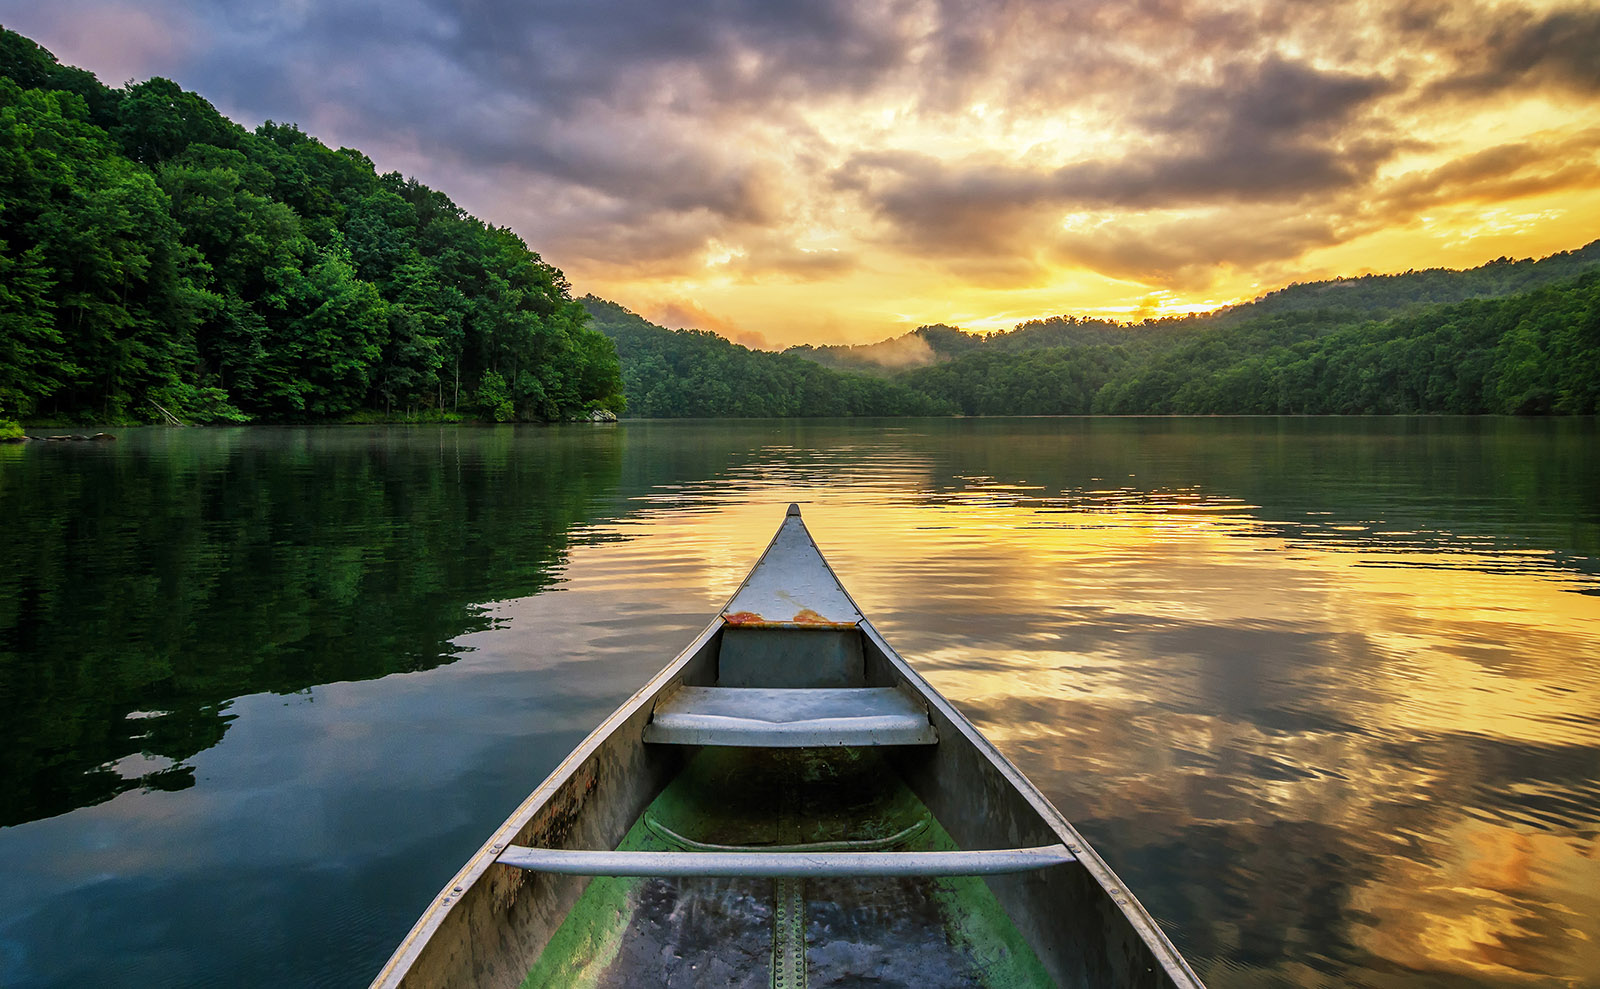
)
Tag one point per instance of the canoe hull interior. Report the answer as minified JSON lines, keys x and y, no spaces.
{"x":744,"y":929}
{"x":492,"y":924}
{"x":489,"y":925}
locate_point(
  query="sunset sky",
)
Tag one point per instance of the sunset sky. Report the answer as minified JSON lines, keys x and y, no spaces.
{"x":786,"y":172}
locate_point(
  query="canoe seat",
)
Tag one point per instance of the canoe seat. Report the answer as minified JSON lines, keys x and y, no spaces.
{"x":980,"y":862}
{"x":789,"y":717}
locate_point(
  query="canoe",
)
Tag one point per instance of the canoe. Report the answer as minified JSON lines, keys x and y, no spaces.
{"x":787,"y":803}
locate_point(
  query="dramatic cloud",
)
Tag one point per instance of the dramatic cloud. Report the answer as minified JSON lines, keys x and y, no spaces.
{"x":1563,"y":163}
{"x":847,"y":170}
{"x":1516,"y":47}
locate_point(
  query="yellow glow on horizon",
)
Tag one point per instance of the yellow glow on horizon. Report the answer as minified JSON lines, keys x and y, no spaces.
{"x":894,"y":297}
{"x":1467,"y":235}
{"x":1538,"y":203}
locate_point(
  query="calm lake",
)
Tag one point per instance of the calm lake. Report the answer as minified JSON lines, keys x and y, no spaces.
{"x":1325,"y":692}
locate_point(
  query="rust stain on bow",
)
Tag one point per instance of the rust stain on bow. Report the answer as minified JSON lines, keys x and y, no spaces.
{"x":804,"y":618}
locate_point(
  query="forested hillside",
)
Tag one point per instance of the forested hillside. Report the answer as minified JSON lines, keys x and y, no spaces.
{"x":1320,"y":307}
{"x":695,"y":373}
{"x":1389,"y":294}
{"x":1380,"y":351}
{"x":1518,"y":337}
{"x":157,"y":258}
{"x":1530,"y":354}
{"x":158,"y":261}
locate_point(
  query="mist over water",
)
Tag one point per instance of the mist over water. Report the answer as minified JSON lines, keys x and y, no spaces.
{"x":1325,"y":693}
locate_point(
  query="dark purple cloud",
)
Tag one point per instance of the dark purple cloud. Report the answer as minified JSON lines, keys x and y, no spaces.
{"x":639,"y":136}
{"x":1272,"y":132}
{"x":1502,"y":49}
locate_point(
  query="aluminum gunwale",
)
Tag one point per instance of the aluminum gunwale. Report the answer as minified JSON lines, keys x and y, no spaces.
{"x":1177,"y":968}
{"x":399,"y":964}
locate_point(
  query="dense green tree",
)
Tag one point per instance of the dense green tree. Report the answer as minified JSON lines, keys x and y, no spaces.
{"x":155,"y":254}
{"x":33,"y":359}
{"x":32,"y":67}
{"x":93,"y":226}
{"x":158,"y":120}
{"x":324,"y":336}
{"x":695,"y":373}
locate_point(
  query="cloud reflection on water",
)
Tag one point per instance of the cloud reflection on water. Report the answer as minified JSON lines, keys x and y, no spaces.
{"x":1320,"y":691}
{"x":1316,"y":755}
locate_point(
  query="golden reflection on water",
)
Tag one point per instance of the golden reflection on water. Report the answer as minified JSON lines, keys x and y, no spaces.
{"x":1501,"y":901}
{"x":1345,"y":722}
{"x":1320,"y":690}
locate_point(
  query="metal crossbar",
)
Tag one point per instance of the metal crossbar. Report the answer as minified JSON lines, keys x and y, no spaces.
{"x":805,"y":864}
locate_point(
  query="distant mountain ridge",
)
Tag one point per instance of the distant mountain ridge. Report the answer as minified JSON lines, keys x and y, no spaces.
{"x":1331,"y":300}
{"x":669,"y":374}
{"x":1384,"y":293}
{"x":1508,"y":337}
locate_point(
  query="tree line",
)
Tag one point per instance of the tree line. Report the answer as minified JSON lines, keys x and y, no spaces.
{"x":670,"y":374}
{"x":158,"y":259}
{"x":1379,"y":347}
{"x":1536,"y":353}
{"x":1511,"y":337}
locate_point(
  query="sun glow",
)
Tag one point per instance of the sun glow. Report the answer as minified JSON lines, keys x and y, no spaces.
{"x":975,"y":169}
{"x":982,"y":239}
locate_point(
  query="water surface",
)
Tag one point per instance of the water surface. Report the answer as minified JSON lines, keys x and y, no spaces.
{"x":1326,"y":693}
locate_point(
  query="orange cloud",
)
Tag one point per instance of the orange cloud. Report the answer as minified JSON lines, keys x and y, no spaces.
{"x":844,"y":173}
{"x":686,"y":314}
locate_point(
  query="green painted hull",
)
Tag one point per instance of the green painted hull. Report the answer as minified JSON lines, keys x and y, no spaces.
{"x":911,"y":931}
{"x":705,"y":787}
